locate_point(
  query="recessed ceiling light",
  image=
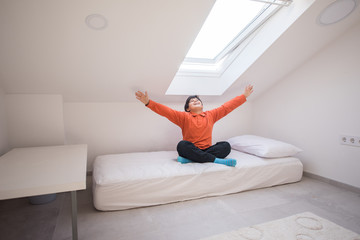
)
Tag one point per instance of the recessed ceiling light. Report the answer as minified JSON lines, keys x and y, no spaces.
{"x":336,"y":11}
{"x":96,"y":21}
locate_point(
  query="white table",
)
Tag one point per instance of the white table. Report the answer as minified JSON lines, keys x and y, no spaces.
{"x":36,"y":171}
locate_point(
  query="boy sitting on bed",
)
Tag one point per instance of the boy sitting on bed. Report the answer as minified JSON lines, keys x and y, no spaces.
{"x":197,"y":126}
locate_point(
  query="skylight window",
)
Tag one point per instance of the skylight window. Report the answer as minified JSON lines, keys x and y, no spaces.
{"x":226,"y":20}
{"x":229,"y":24}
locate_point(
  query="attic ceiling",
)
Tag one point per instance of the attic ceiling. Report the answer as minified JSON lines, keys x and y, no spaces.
{"x":47,"y":48}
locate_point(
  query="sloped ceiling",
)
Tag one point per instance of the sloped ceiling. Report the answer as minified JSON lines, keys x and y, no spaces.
{"x":298,"y":44}
{"x":46,"y":47}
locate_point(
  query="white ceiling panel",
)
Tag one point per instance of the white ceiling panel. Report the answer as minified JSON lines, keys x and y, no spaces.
{"x":46,"y":47}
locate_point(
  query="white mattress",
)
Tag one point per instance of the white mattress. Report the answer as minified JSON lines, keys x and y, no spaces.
{"x":130,"y":180}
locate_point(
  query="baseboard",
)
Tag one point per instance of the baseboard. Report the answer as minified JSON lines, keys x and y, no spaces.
{"x":332,"y":182}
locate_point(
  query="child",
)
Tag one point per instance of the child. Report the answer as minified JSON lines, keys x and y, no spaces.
{"x":197,"y":127}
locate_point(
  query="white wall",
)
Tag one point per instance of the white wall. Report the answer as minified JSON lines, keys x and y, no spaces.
{"x":4,"y":144}
{"x":110,"y":128}
{"x":34,"y":120}
{"x":314,"y":105}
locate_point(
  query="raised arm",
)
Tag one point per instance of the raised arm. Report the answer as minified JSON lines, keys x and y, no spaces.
{"x":248,"y":90}
{"x":142,"y":97}
{"x":229,"y":106}
{"x":174,"y":116}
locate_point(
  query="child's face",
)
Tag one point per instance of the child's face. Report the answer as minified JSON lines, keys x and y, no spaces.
{"x":195,"y":105}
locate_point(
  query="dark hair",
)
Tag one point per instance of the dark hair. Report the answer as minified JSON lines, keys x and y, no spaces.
{"x":188,"y":100}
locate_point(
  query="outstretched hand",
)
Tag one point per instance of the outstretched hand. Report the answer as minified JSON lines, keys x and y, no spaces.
{"x":248,"y":90}
{"x":144,"y":98}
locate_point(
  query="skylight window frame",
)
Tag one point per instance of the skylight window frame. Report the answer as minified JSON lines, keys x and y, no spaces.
{"x":277,"y":2}
{"x":215,"y":67}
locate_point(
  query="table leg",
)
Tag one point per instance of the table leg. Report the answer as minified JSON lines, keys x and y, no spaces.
{"x":74,"y":215}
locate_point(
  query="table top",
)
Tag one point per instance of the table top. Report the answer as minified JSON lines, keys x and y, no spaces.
{"x":42,"y":170}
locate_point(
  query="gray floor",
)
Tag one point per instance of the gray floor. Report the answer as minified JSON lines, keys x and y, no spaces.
{"x":185,"y":220}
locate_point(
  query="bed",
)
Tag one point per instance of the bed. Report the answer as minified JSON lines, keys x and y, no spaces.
{"x":140,"y":179}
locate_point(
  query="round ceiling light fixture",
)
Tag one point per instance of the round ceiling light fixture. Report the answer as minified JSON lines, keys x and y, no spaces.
{"x":336,"y":11}
{"x":96,"y":21}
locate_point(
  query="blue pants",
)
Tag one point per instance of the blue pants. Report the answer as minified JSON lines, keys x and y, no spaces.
{"x":188,"y":150}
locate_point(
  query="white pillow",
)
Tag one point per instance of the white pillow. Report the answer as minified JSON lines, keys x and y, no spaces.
{"x":263,"y":147}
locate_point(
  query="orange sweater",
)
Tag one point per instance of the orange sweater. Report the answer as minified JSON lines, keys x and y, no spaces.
{"x":197,"y":128}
